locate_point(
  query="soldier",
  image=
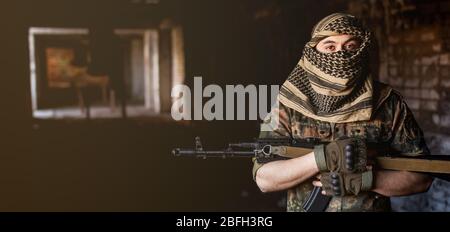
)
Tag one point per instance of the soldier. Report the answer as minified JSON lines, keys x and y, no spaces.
{"x":330,"y":95}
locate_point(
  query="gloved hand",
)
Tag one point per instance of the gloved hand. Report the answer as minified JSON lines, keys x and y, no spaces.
{"x":341,"y":184}
{"x":342,"y":156}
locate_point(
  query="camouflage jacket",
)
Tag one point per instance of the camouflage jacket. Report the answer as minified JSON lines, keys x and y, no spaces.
{"x":392,"y":123}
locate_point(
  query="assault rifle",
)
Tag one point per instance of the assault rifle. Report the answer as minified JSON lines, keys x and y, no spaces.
{"x":271,"y":149}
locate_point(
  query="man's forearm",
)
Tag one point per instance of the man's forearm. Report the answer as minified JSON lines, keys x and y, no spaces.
{"x":284,"y":174}
{"x":400,"y":183}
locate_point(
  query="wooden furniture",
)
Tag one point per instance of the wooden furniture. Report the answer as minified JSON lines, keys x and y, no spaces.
{"x":80,"y":79}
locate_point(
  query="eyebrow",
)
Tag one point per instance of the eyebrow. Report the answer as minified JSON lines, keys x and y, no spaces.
{"x":352,"y":39}
{"x":328,"y":41}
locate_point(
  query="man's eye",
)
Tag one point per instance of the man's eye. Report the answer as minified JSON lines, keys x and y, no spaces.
{"x":351,"y":47}
{"x":330,"y":48}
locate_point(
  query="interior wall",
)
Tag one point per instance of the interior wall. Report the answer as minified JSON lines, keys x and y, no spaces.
{"x":126,"y":165}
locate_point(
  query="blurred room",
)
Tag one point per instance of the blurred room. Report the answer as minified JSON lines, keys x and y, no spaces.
{"x":86,"y":95}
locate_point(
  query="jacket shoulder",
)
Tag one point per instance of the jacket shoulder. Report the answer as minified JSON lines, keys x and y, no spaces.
{"x":385,"y":94}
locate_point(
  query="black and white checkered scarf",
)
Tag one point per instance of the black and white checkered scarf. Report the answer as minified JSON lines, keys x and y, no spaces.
{"x":333,"y":87}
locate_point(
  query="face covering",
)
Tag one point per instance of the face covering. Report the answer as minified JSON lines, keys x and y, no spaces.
{"x":332,"y":87}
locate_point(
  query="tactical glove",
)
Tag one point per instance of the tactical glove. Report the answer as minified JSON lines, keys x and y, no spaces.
{"x":343,"y":156}
{"x":341,"y":184}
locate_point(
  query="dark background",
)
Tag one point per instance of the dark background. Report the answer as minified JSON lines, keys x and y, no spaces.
{"x":126,"y":164}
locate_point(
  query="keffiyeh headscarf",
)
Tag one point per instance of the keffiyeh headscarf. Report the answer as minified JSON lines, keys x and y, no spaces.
{"x":332,"y":87}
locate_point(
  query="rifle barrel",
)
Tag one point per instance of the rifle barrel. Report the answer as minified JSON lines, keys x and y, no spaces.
{"x":201,"y":153}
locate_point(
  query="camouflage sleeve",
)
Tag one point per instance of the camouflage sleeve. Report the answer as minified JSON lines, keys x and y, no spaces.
{"x":275,"y":125}
{"x":407,"y":136}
